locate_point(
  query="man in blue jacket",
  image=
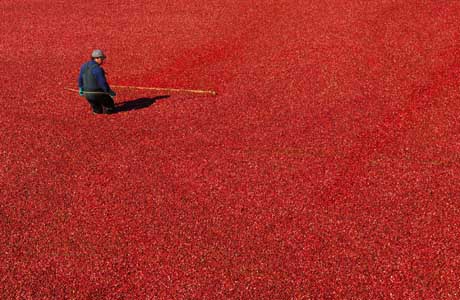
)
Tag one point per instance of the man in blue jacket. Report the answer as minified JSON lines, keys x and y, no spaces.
{"x":93,"y":85}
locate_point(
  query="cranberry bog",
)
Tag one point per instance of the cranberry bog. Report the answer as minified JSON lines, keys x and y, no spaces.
{"x":325,"y":168}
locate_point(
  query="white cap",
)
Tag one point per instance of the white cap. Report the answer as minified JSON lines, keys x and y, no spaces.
{"x":97,"y":53}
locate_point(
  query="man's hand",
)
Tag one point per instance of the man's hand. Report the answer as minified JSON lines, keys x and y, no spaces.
{"x":80,"y":92}
{"x":112,"y":93}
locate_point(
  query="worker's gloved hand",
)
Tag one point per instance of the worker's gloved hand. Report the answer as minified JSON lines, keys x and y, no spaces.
{"x":112,"y":93}
{"x":80,"y":92}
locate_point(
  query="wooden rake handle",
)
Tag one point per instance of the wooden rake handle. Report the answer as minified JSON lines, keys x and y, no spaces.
{"x":74,"y":90}
{"x":209,"y":92}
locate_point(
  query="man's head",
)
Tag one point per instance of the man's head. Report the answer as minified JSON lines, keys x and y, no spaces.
{"x":98,"y":56}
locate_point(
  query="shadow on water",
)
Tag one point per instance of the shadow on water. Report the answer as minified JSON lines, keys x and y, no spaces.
{"x":138,"y":103}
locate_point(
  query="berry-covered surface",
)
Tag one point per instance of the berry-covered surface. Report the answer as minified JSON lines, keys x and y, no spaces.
{"x":327,"y":167}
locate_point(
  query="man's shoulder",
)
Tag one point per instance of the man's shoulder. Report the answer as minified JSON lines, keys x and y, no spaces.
{"x":89,"y":64}
{"x":93,"y":67}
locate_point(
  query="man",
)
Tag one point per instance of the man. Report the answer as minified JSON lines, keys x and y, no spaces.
{"x":93,"y":85}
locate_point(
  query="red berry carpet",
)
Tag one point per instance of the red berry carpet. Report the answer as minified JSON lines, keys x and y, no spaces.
{"x":327,"y":166}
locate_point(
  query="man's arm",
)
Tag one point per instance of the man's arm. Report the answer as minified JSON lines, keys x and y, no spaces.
{"x":80,"y":81}
{"x":80,"y":77}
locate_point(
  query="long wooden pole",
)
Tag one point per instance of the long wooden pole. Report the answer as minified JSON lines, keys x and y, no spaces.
{"x":74,"y":90}
{"x":166,"y":89}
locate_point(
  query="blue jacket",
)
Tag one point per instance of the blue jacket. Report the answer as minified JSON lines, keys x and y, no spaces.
{"x":92,"y":78}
